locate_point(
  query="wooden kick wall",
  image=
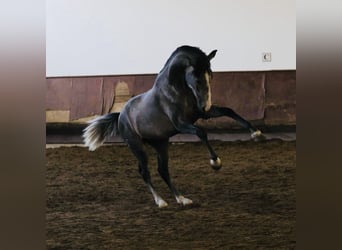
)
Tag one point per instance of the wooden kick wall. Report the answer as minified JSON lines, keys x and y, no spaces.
{"x":263,"y":97}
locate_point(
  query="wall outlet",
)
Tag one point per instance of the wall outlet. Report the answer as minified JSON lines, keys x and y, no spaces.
{"x":266,"y":56}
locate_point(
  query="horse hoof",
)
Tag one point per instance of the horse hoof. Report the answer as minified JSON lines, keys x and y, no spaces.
{"x":162,"y":203}
{"x":183,"y":201}
{"x":216,"y":164}
{"x":258,"y":136}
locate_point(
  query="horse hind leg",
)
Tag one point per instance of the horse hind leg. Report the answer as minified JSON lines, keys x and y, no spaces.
{"x":137,"y":149}
{"x":162,"y":150}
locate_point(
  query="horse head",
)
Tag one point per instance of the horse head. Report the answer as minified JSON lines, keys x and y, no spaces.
{"x":192,"y":69}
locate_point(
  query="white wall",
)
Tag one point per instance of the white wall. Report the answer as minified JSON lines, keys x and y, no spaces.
{"x":105,"y":37}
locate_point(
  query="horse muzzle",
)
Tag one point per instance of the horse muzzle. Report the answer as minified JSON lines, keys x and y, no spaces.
{"x":205,"y":107}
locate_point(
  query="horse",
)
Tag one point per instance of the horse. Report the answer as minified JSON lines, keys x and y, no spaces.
{"x":180,"y":96}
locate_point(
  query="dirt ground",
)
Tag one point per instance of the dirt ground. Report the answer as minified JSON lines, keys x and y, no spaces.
{"x":97,"y":200}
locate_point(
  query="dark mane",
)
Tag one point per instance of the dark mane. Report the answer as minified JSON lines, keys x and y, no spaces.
{"x":198,"y":59}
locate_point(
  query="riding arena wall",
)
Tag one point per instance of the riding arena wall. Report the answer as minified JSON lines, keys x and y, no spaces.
{"x":265,"y":98}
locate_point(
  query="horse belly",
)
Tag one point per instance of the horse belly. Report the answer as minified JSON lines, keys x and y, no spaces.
{"x":145,"y":118}
{"x":155,"y":126}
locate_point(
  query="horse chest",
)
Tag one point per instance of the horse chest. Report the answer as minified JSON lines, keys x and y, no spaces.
{"x":189,"y":112}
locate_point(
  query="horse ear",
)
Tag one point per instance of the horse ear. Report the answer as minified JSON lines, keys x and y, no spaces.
{"x":212,"y":54}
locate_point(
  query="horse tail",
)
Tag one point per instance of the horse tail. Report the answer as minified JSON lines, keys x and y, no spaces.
{"x":99,"y":128}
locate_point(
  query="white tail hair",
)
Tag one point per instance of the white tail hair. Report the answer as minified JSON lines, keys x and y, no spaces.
{"x":99,"y":128}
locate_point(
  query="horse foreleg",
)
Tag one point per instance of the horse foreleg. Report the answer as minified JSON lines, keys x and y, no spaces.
{"x":216,"y":111}
{"x":215,"y":161}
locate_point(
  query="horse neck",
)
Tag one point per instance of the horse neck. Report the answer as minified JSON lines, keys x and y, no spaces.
{"x":180,"y":97}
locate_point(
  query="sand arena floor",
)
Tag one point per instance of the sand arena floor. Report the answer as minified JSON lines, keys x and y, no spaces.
{"x":97,"y":200}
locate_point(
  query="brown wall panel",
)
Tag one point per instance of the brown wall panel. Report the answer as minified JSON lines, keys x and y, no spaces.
{"x":262,"y":97}
{"x":86,"y":97}
{"x":129,"y":80}
{"x":109,"y":84}
{"x":143,"y":83}
{"x":280,"y":101}
{"x":243,"y":92}
{"x":58,"y":93}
